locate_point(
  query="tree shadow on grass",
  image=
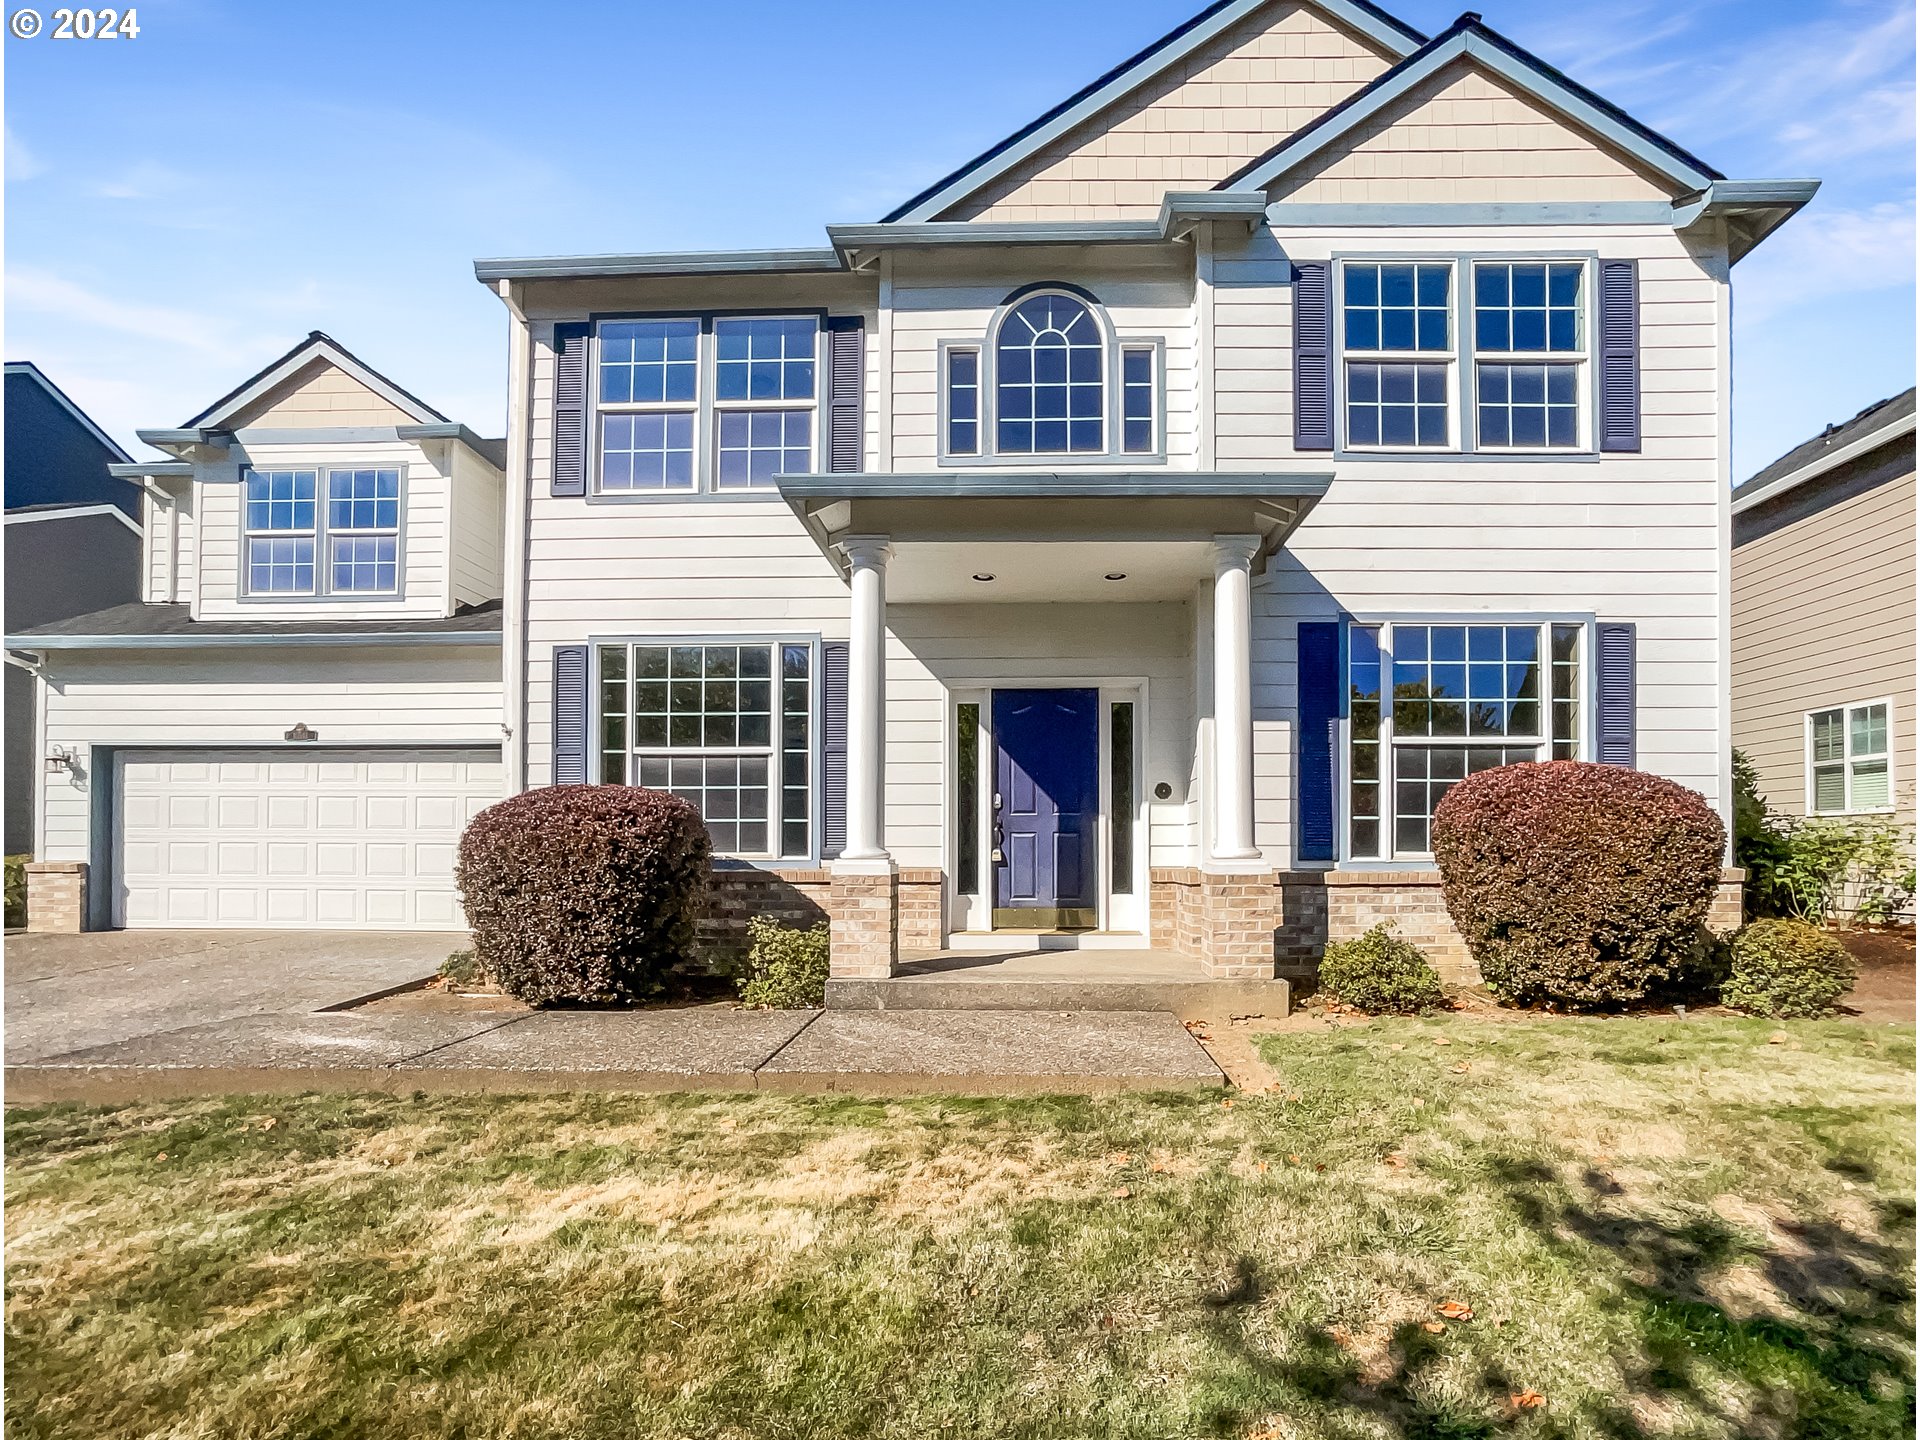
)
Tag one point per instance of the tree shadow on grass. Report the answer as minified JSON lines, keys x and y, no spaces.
{"x":1802,"y":1337}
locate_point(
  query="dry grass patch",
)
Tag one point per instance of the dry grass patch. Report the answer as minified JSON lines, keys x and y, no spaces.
{"x":1661,"y":1229}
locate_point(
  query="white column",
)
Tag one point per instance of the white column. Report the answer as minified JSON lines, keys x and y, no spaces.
{"x":1233,"y":696}
{"x":867,"y":557}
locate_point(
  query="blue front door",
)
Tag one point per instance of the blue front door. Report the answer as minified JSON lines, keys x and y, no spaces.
{"x":1046,"y":807}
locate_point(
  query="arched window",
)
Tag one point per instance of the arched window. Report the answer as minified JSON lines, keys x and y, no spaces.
{"x":1050,"y":378}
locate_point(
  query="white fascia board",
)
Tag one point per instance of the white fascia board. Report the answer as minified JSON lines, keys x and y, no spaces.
{"x":73,"y":512}
{"x":1525,"y":78}
{"x":1362,"y":19}
{"x":1821,"y":464}
{"x":298,"y":361}
{"x":29,"y":643}
{"x":22,"y":367}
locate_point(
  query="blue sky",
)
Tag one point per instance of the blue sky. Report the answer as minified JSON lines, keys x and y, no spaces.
{"x":183,"y":206}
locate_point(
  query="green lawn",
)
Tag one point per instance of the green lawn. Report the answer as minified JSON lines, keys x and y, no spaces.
{"x":1660,"y":1227}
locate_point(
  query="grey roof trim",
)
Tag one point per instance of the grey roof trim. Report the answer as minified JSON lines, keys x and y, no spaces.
{"x":1286,"y":214}
{"x":490,"y":451}
{"x":31,"y":641}
{"x":317,"y":345}
{"x":1753,"y":209}
{"x":1470,"y":40}
{"x":1248,"y":206}
{"x":1396,"y":38}
{"x":1056,"y":484}
{"x":1888,"y":430}
{"x":140,"y":470}
{"x":848,"y":239}
{"x":27,"y":367}
{"x":192,"y":435}
{"x":29,"y":514}
{"x":684,"y":262}
{"x":141,"y":624}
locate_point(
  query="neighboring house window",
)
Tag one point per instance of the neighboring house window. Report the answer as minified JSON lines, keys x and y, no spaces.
{"x":1850,"y":753}
{"x":963,"y":400}
{"x":363,"y":530}
{"x":1050,"y":379}
{"x":1139,"y":418}
{"x":722,"y":403}
{"x":727,"y":727}
{"x":281,"y":523}
{"x":649,"y":402}
{"x":1432,"y":703}
{"x":1528,"y":343}
{"x":1397,"y":333}
{"x":764,"y":394}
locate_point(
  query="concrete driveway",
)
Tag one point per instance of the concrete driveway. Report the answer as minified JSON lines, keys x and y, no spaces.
{"x":64,"y":992}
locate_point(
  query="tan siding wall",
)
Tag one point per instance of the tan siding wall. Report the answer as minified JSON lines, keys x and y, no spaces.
{"x":1190,"y":127}
{"x":477,"y":537}
{"x":1823,"y":614}
{"x":1465,"y":137}
{"x":321,"y":394}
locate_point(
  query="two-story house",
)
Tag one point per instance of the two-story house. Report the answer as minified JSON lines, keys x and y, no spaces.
{"x":1128,"y":540}
{"x":294,"y":723}
{"x":72,"y":545}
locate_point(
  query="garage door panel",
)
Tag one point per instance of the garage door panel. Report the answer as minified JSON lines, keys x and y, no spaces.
{"x":343,"y":840}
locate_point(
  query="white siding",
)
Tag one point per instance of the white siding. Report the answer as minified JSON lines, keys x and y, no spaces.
{"x":375,"y":696}
{"x":169,"y":543}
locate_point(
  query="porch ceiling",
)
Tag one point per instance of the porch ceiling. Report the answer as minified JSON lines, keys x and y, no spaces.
{"x":1049,"y":536}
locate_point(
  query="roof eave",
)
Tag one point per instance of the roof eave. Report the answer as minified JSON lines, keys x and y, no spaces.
{"x":31,"y":642}
{"x":1752,"y":209}
{"x":1821,"y":464}
{"x":665,"y":263}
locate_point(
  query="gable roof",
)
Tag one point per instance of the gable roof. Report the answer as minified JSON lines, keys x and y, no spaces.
{"x":1396,"y":37}
{"x":32,"y":372}
{"x":1468,"y":39}
{"x":1878,"y":424}
{"x":317,"y":346}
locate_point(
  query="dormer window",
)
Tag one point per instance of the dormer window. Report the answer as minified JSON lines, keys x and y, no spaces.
{"x":1051,"y":378}
{"x":358,"y":530}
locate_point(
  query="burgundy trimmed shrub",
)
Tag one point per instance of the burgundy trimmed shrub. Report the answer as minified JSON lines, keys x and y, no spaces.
{"x":1583,"y":885}
{"x":583,"y":894}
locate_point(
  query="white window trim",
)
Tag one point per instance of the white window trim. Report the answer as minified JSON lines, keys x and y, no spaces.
{"x":776,"y":778}
{"x":1578,"y":360}
{"x":1849,"y":759}
{"x":1155,"y":350}
{"x":948,"y":349}
{"x":1453,"y":357}
{"x":706,"y":407}
{"x":1586,"y":739}
{"x":1113,"y":343}
{"x":322,"y":535}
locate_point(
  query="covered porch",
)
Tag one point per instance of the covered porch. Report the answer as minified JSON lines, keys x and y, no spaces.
{"x":1046,"y":828}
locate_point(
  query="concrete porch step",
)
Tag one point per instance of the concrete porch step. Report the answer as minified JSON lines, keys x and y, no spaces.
{"x":1083,"y":981}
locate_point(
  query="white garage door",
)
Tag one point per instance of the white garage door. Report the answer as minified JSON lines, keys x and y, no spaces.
{"x":331,"y":840}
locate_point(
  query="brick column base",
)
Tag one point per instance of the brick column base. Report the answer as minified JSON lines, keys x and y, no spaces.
{"x":1237,"y":915}
{"x":57,"y":896}
{"x":1727,"y":910}
{"x":866,"y":925}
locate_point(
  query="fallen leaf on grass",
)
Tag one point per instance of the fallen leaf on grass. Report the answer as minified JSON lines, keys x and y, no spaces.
{"x":1226,"y":1104}
{"x":1462,"y":1068}
{"x":1261,"y":1166}
{"x":1119,"y":1157}
{"x":1122,"y":1192}
{"x":1433,"y":1327}
{"x":1528,"y":1399}
{"x":1341,"y":1336}
{"x":1395,"y":1159}
{"x":269,"y":1123}
{"x":1396,"y":1046}
{"x":1454,"y":1310}
{"x":1293,"y":1160}
{"x":1779,"y":1037}
{"x":1419,"y":1101}
{"x":1441,"y":1040}
{"x":161,"y":1156}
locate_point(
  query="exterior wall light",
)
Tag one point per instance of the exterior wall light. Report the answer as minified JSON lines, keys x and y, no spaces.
{"x":984,"y":576}
{"x":1116,"y":575}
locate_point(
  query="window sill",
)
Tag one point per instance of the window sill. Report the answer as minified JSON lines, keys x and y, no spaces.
{"x":1053,"y":461}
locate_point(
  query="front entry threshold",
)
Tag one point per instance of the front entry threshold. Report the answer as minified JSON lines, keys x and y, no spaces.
{"x":1065,"y":917}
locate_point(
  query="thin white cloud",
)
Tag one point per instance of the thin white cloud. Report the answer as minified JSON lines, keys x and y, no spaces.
{"x":1822,"y":253}
{"x":42,"y":292}
{"x":148,"y":180}
{"x":22,"y":163}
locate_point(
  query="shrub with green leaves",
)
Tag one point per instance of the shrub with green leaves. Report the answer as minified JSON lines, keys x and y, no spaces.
{"x":786,"y":968}
{"x":1379,"y":973}
{"x":17,"y":890}
{"x":1787,"y":969}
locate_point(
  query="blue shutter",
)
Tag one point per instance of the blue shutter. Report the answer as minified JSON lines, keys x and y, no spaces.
{"x":1618,"y":700}
{"x":846,"y":379}
{"x":833,"y":748}
{"x":1619,"y":355}
{"x":1319,"y":662}
{"x":569,"y":714}
{"x":1313,"y":356}
{"x":570,"y":408}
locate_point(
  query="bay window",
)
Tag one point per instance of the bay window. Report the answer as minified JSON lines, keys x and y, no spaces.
{"x":727,"y":727}
{"x":1850,"y":759}
{"x":1431,"y":703}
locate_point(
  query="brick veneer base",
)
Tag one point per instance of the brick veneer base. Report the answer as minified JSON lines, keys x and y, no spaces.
{"x":866,"y":925}
{"x":57,"y":896}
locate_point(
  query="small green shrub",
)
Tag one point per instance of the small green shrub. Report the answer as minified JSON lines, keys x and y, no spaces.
{"x":1787,"y":969}
{"x":462,"y":968}
{"x":17,"y":890}
{"x":1820,"y":866}
{"x":786,"y":969}
{"x":1379,"y":973}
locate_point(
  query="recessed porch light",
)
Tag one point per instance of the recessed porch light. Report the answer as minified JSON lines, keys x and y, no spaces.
{"x":1116,"y":575}
{"x":983,"y":576}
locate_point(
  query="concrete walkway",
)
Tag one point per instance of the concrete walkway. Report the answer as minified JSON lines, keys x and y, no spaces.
{"x":702,"y":1047}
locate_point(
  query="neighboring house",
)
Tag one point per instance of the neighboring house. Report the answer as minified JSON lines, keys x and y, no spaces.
{"x":1130,"y":538}
{"x":291,"y":722}
{"x":1823,"y":620}
{"x":72,"y":545}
